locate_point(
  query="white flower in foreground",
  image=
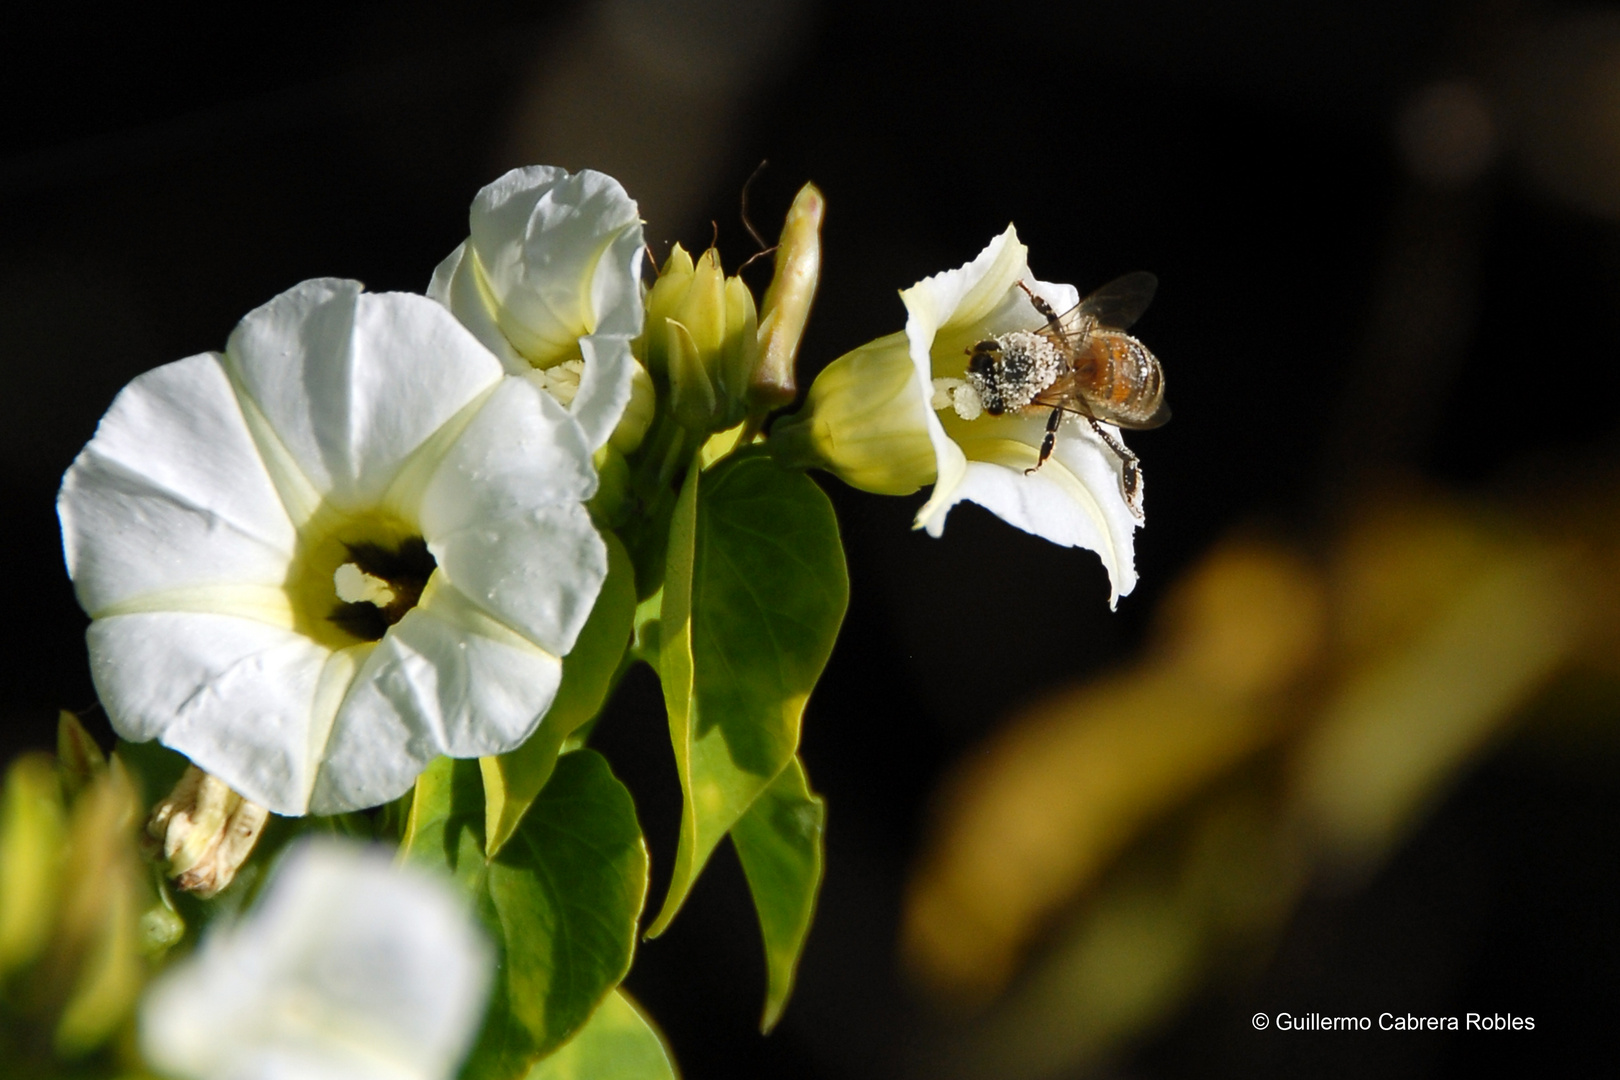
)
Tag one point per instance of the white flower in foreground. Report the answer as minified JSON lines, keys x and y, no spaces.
{"x":344,"y":546}
{"x":348,"y":968}
{"x":550,"y":280}
{"x":1076,"y":498}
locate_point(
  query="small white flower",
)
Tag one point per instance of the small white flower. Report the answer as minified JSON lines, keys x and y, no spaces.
{"x":345,"y":546}
{"x":550,"y":280}
{"x":1076,"y":498}
{"x":349,"y":968}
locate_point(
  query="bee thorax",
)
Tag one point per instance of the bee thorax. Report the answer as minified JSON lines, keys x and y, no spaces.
{"x":1012,"y":375}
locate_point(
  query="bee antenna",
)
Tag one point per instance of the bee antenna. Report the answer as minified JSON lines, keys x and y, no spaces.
{"x":749,"y":225}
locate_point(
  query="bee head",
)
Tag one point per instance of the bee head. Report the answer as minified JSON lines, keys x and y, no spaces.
{"x":982,"y":357}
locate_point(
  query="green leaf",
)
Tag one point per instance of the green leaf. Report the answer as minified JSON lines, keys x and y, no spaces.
{"x":619,"y":1043}
{"x":561,"y":900}
{"x":511,"y":781}
{"x":779,"y":842}
{"x":754,"y":592}
{"x":443,"y":830}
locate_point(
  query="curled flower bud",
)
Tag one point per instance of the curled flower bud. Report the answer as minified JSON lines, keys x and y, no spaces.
{"x":788,"y":300}
{"x":550,"y":281}
{"x":207,"y":832}
{"x":864,"y":421}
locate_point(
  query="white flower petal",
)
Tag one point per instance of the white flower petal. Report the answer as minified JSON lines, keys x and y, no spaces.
{"x":1065,"y":501}
{"x":605,"y":386}
{"x":457,"y":286}
{"x":519,"y":451}
{"x":171,"y":494}
{"x":539,"y":573}
{"x":1090,"y":467}
{"x":446,"y":679}
{"x":1076,"y":497}
{"x":503,"y":517}
{"x":350,"y":967}
{"x":240,"y":698}
{"x":352,"y":383}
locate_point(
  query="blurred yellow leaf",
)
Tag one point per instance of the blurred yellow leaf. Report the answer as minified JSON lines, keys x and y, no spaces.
{"x":1067,"y":784}
{"x":1284,"y":721}
{"x":1400,"y":726}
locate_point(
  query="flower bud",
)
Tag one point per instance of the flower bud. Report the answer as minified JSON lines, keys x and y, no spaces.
{"x":787,"y":301}
{"x":865,"y":420}
{"x":701,"y":339}
{"x":207,"y":831}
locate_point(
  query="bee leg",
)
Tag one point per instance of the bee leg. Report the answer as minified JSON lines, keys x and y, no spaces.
{"x":1130,"y":472}
{"x":1041,"y":306}
{"x":1050,"y":440}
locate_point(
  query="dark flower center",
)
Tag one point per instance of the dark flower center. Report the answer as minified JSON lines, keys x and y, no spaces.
{"x":404,"y":570}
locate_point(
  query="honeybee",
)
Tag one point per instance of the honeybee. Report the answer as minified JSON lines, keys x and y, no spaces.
{"x":1080,"y":362}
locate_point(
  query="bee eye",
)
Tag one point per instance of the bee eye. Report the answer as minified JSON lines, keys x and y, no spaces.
{"x":982,"y":362}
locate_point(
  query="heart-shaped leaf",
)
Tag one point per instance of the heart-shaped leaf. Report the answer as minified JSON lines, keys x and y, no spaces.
{"x":619,"y":1043}
{"x":561,"y":899}
{"x":754,"y":592}
{"x":779,"y":842}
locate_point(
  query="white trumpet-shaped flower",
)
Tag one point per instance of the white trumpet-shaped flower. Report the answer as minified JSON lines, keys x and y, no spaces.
{"x":1076,"y":498}
{"x":348,"y":544}
{"x":550,"y":280}
{"x":349,"y":968}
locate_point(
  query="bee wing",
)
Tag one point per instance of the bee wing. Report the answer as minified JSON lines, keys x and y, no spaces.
{"x":1160,"y":417}
{"x":1117,"y":304}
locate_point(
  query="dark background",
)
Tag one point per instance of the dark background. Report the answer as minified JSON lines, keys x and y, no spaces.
{"x":1347,"y":284}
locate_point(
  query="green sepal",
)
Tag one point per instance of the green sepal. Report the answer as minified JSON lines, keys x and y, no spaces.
{"x":511,"y":781}
{"x":619,"y":1043}
{"x":561,"y":899}
{"x":779,"y":842}
{"x":77,"y":755}
{"x":754,"y":592}
{"x":646,"y":643}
